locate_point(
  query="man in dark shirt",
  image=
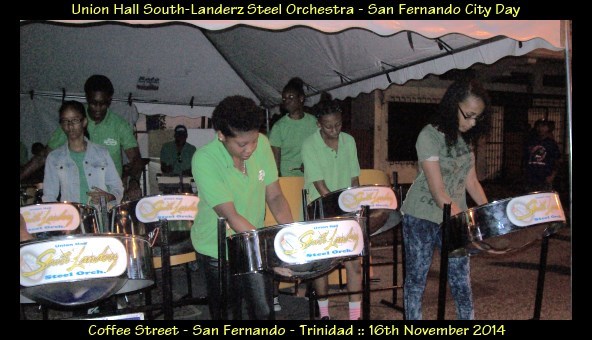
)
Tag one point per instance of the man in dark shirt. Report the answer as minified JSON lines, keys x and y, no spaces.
{"x":541,"y":157}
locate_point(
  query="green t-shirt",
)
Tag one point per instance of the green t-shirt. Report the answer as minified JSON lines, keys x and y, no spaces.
{"x":288,"y":135}
{"x":180,"y":162}
{"x":113,"y":132}
{"x":218,"y":181}
{"x":323,"y":163}
{"x":454,"y":166}
{"x":78,"y":158}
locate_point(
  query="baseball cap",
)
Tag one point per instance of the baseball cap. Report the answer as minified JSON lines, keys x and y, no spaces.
{"x":180,"y":130}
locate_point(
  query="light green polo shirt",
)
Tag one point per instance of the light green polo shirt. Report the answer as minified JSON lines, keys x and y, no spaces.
{"x":114,"y":133}
{"x":454,"y":166}
{"x":323,"y":163}
{"x":288,"y":135}
{"x":218,"y":181}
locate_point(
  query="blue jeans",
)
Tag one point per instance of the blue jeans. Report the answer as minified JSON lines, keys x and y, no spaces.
{"x":420,"y":238}
{"x":256,"y":289}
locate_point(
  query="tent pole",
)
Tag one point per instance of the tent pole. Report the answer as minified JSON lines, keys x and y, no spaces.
{"x":567,"y":44}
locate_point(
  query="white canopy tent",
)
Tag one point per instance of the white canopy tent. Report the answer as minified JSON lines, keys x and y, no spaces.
{"x":184,"y":68}
{"x":197,"y":63}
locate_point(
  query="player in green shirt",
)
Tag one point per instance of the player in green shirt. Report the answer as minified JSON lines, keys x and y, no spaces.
{"x":105,"y":128}
{"x":236,"y":175}
{"x":291,"y":130}
{"x":331,"y":163}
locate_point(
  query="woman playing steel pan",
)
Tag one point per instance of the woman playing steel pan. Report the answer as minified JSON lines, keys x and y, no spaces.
{"x":80,"y":170}
{"x":331,"y":163}
{"x":235,"y":175}
{"x":447,"y":173}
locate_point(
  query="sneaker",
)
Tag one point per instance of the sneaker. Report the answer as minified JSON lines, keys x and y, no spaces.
{"x":276,"y":304}
{"x":326,"y":317}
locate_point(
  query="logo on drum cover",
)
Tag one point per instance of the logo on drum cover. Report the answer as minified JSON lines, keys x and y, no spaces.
{"x":535,"y":209}
{"x":377,"y":197}
{"x":307,"y":242}
{"x":169,"y":207}
{"x":50,"y":217}
{"x":71,"y":260}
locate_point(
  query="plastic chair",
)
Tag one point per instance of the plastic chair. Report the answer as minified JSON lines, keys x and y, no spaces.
{"x":292,"y":189}
{"x":373,"y":176}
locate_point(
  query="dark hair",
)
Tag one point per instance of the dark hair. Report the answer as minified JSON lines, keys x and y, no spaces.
{"x":98,"y":83}
{"x":326,"y":106}
{"x":237,"y":113}
{"x":37,"y":148}
{"x":295,"y":85}
{"x":75,"y":106}
{"x":446,"y":120}
{"x":543,"y":122}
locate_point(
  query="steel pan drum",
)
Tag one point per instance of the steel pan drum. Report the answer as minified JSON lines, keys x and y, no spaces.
{"x":67,"y":259}
{"x":46,"y":220}
{"x":143,"y":217}
{"x":505,"y":226}
{"x":296,"y":251}
{"x":347,"y":202}
{"x":80,"y":269}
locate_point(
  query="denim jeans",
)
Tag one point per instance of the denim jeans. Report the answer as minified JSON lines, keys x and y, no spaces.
{"x":256,"y":289}
{"x":420,"y":238}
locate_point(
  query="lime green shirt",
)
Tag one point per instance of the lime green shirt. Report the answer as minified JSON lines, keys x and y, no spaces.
{"x":218,"y":181}
{"x":78,"y":158}
{"x":113,"y":132}
{"x":288,"y":135}
{"x":323,"y":163}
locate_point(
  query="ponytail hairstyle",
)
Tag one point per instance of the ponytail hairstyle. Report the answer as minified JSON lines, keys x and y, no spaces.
{"x":295,"y":85}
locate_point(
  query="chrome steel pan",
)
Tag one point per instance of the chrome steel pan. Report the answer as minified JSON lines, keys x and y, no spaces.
{"x":505,"y":226}
{"x":296,"y":251}
{"x":45,"y":220}
{"x":76,"y":270}
{"x":143,"y":217}
{"x":347,"y":202}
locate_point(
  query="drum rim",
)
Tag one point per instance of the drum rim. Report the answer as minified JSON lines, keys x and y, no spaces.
{"x":297,"y":223}
{"x":62,"y":202}
{"x":75,"y":236}
{"x":348,"y":188}
{"x":511,"y":198}
{"x":137,"y":200}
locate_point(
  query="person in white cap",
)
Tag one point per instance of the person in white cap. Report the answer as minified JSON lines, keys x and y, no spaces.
{"x":175,"y":156}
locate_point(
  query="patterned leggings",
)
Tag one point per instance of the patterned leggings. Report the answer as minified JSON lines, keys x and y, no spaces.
{"x":420,"y":238}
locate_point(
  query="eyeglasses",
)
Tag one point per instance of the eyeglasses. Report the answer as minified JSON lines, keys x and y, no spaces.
{"x":179,"y":160}
{"x":475,"y":116}
{"x":72,"y":122}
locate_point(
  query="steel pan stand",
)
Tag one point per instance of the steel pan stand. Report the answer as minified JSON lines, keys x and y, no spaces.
{"x":167,"y":287}
{"x":365,"y":213}
{"x":443,"y":262}
{"x":313,"y":297}
{"x":222,"y":269}
{"x":538,"y":300}
{"x":166,"y":263}
{"x":398,"y":192}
